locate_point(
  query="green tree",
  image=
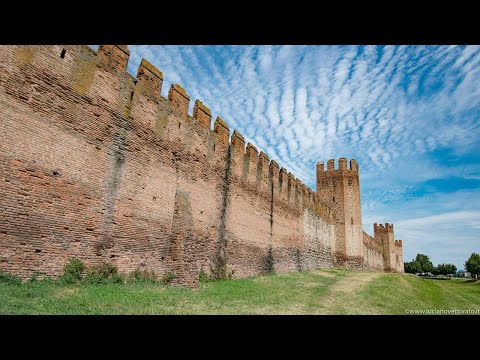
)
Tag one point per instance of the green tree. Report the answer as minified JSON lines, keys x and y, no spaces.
{"x":437,"y":270}
{"x":442,"y":269}
{"x":424,"y":262}
{"x":412,"y":267}
{"x":472,"y":265}
{"x":450,"y":269}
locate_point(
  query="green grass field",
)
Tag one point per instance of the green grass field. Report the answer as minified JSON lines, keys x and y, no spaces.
{"x":314,"y":292}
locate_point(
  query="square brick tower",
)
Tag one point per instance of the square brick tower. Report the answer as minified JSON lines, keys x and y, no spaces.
{"x":392,"y":249}
{"x":340,"y":190}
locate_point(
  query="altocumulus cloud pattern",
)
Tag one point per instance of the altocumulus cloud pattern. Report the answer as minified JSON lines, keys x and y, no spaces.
{"x":408,"y":114}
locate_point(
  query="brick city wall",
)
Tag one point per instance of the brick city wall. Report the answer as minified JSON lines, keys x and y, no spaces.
{"x":373,"y":252}
{"x":97,"y":164}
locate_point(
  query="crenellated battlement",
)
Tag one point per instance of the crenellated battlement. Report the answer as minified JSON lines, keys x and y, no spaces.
{"x":179,"y":99}
{"x":148,"y":67}
{"x":274,"y":169}
{"x":149,"y":80}
{"x":123,"y":48}
{"x":114,"y":58}
{"x":220,"y":128}
{"x":383,"y":228}
{"x":202,"y":114}
{"x":342,"y":166}
{"x":398,"y":243}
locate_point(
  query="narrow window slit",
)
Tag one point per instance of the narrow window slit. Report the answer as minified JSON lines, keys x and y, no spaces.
{"x":62,"y":55}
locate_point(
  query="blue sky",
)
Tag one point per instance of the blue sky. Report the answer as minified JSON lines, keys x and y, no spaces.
{"x":410,"y":116}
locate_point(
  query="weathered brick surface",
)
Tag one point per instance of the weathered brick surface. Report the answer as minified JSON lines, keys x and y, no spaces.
{"x":99,"y":165}
{"x":372,"y":252}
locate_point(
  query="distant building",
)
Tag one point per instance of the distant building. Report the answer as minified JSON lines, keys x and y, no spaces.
{"x":463,"y":273}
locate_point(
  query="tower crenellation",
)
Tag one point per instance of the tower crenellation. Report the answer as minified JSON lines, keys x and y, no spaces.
{"x":342,"y":165}
{"x":353,"y":165}
{"x":330,"y":165}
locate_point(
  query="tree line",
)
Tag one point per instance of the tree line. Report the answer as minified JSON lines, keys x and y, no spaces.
{"x":422,"y":264}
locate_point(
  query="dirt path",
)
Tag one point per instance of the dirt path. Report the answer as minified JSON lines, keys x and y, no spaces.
{"x":354,"y":281}
{"x":343,"y":292}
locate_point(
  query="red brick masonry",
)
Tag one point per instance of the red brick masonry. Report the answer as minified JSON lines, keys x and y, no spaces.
{"x":97,"y":164}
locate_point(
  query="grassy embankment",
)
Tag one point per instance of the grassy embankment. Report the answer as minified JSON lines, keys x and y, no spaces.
{"x":314,"y":292}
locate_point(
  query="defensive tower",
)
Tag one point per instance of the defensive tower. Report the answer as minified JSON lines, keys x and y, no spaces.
{"x":340,"y":190}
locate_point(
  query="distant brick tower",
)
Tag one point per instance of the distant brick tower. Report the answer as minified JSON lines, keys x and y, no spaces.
{"x":340,"y":189}
{"x":392,"y":249}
